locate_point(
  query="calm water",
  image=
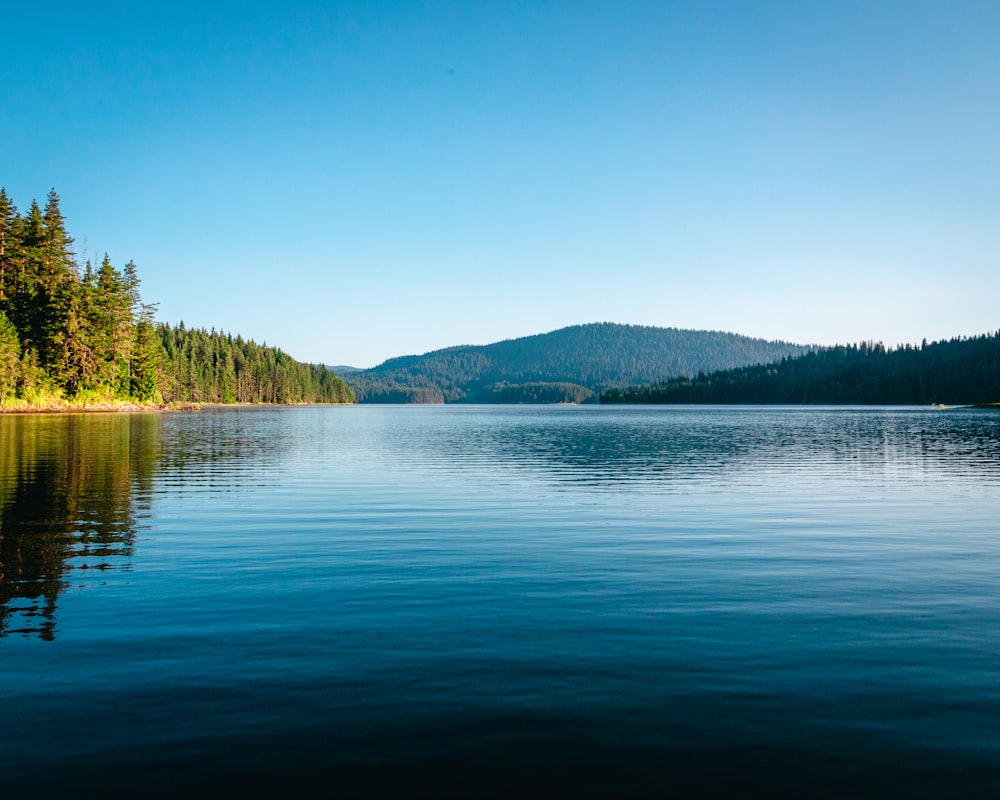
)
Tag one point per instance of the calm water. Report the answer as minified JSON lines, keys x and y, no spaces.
{"x":514,"y":600}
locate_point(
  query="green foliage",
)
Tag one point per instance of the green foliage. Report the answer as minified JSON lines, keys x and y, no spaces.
{"x":536,"y":392}
{"x":10,"y":357}
{"x":959,"y":371}
{"x":594,"y":356}
{"x":147,"y":356}
{"x":370,"y":390}
{"x":89,"y":337}
{"x":214,"y":367}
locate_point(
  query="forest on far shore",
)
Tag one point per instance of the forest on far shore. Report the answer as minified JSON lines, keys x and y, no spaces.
{"x":960,"y":371}
{"x":85,"y":335}
{"x":569,"y":365}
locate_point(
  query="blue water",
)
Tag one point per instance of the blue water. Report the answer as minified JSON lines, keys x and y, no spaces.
{"x":550,"y":601}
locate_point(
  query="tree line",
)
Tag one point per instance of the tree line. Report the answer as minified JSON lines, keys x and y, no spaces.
{"x":215,"y":367}
{"x":959,"y":371}
{"x":75,"y":334}
{"x":536,"y":392}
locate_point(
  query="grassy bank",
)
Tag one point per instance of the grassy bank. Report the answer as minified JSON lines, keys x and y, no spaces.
{"x":70,"y":406}
{"x":51,"y":404}
{"x":54,"y":402}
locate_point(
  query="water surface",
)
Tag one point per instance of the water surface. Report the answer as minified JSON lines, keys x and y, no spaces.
{"x":512,"y":600}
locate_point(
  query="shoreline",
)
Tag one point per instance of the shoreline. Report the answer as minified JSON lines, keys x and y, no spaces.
{"x":96,"y":408}
{"x":124,"y":407}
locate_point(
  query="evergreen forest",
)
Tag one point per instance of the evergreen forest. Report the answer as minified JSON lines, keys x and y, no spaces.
{"x":567,"y":365}
{"x":960,"y":371}
{"x":212,"y":367}
{"x":86,"y":336}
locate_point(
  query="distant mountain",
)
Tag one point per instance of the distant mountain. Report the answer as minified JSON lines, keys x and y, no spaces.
{"x":568,"y":365}
{"x":960,"y":371}
{"x":340,"y":369}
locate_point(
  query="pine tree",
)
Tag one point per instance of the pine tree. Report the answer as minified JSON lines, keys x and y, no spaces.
{"x":109,"y":327}
{"x":25,"y":307}
{"x":146,"y":358}
{"x":8,"y":225}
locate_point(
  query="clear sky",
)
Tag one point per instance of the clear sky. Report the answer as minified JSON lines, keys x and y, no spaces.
{"x":352,"y":181}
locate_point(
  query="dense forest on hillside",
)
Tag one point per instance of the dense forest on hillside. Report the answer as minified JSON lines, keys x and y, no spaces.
{"x":539,"y":392}
{"x":953,"y":372}
{"x":594,"y":357}
{"x":84,"y":336}
{"x":214,"y":367}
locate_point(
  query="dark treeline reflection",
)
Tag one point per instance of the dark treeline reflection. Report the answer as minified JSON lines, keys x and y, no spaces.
{"x":72,"y":490}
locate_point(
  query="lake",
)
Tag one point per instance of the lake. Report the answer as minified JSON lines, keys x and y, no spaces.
{"x":519,"y":601}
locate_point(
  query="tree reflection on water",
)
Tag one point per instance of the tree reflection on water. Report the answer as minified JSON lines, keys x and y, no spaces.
{"x":72,"y":491}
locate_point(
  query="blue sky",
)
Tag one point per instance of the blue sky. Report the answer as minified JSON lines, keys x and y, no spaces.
{"x":355,"y":181}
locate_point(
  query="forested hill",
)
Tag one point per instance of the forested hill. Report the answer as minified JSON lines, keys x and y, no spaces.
{"x":215,"y":367}
{"x":955,"y":372}
{"x":85,"y":335}
{"x":565,"y":365}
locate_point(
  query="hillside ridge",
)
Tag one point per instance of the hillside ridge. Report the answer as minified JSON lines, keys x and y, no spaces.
{"x":581,"y":359}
